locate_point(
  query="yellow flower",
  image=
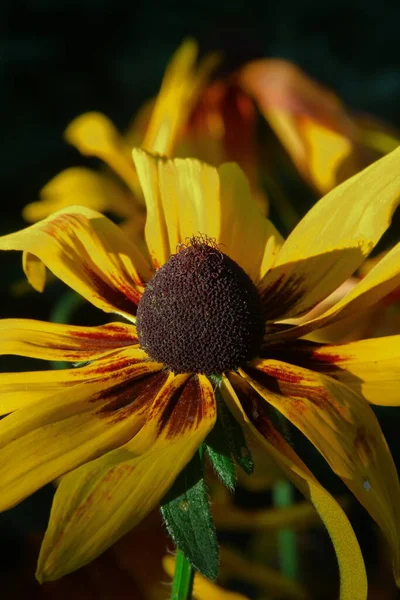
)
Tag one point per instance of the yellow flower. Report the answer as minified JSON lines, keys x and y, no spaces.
{"x":123,"y":425}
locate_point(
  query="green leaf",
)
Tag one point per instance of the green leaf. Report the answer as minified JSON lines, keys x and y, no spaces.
{"x":219,"y":452}
{"x":234,"y":436}
{"x":186,"y":513}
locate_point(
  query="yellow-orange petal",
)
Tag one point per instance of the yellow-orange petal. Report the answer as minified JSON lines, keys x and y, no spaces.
{"x":309,"y":120}
{"x":332,"y":240}
{"x":93,"y":134}
{"x":20,"y":391}
{"x":55,"y":341}
{"x":370,"y":367}
{"x":90,"y":254}
{"x":353,"y":578}
{"x":101,"y":501}
{"x":343,"y":427}
{"x":81,"y":186}
{"x":55,"y":434}
{"x":186,"y":197}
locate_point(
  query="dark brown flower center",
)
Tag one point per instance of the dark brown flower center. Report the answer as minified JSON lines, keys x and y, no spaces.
{"x":200,"y":313}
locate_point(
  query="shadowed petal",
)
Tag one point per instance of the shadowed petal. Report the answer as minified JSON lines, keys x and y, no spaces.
{"x":90,"y":254}
{"x":343,"y":427}
{"x":54,"y":341}
{"x":379,"y":282}
{"x":243,"y":404}
{"x":56,"y":434}
{"x":332,"y":240}
{"x":101,"y":501}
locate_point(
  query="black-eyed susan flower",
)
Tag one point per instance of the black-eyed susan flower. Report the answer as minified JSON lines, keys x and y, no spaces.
{"x":211,"y":313}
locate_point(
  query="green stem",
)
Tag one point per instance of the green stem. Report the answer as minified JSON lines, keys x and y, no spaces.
{"x":282,"y":496}
{"x":182,"y":584}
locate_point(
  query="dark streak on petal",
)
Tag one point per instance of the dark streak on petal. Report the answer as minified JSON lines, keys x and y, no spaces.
{"x":122,"y":296}
{"x":128,"y":397}
{"x":256,"y":411}
{"x":279,"y":297}
{"x":111,"y":334}
{"x":364,"y":444}
{"x":186,"y":409}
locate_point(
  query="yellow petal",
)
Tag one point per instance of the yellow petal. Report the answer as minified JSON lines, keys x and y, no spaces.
{"x":379,"y":282}
{"x":34,"y":270}
{"x":186,"y":197}
{"x":332,"y":240}
{"x":90,"y":254}
{"x":56,"y":434}
{"x":343,"y":427}
{"x":21,"y":391}
{"x":54,"y":341}
{"x":81,"y":186}
{"x":370,"y":367}
{"x":203,"y":589}
{"x":180,"y":88}
{"x":101,"y":501}
{"x":309,"y":120}
{"x":351,"y":565}
{"x":93,"y":134}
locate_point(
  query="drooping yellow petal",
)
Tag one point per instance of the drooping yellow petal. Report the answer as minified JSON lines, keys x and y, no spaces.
{"x":370,"y":367}
{"x":351,"y":565}
{"x":54,"y":341}
{"x":309,"y":120}
{"x":203,"y":589}
{"x":332,"y":240}
{"x":55,"y":434}
{"x":79,"y":186}
{"x":180,"y":89}
{"x":90,"y":254}
{"x":343,"y":427}
{"x":186,"y":197}
{"x":21,"y":391}
{"x":101,"y":501}
{"x":93,"y":134}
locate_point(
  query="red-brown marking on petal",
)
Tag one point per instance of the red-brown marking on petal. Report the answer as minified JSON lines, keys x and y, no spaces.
{"x":279,"y":297}
{"x":120,"y":336}
{"x":186,"y":409}
{"x":256,"y":411}
{"x":128,"y":397}
{"x":364,"y":443}
{"x":120,"y":295}
{"x":296,"y":387}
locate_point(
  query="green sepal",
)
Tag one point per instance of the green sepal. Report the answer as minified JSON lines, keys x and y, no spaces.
{"x":187,"y":517}
{"x":234,"y":436}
